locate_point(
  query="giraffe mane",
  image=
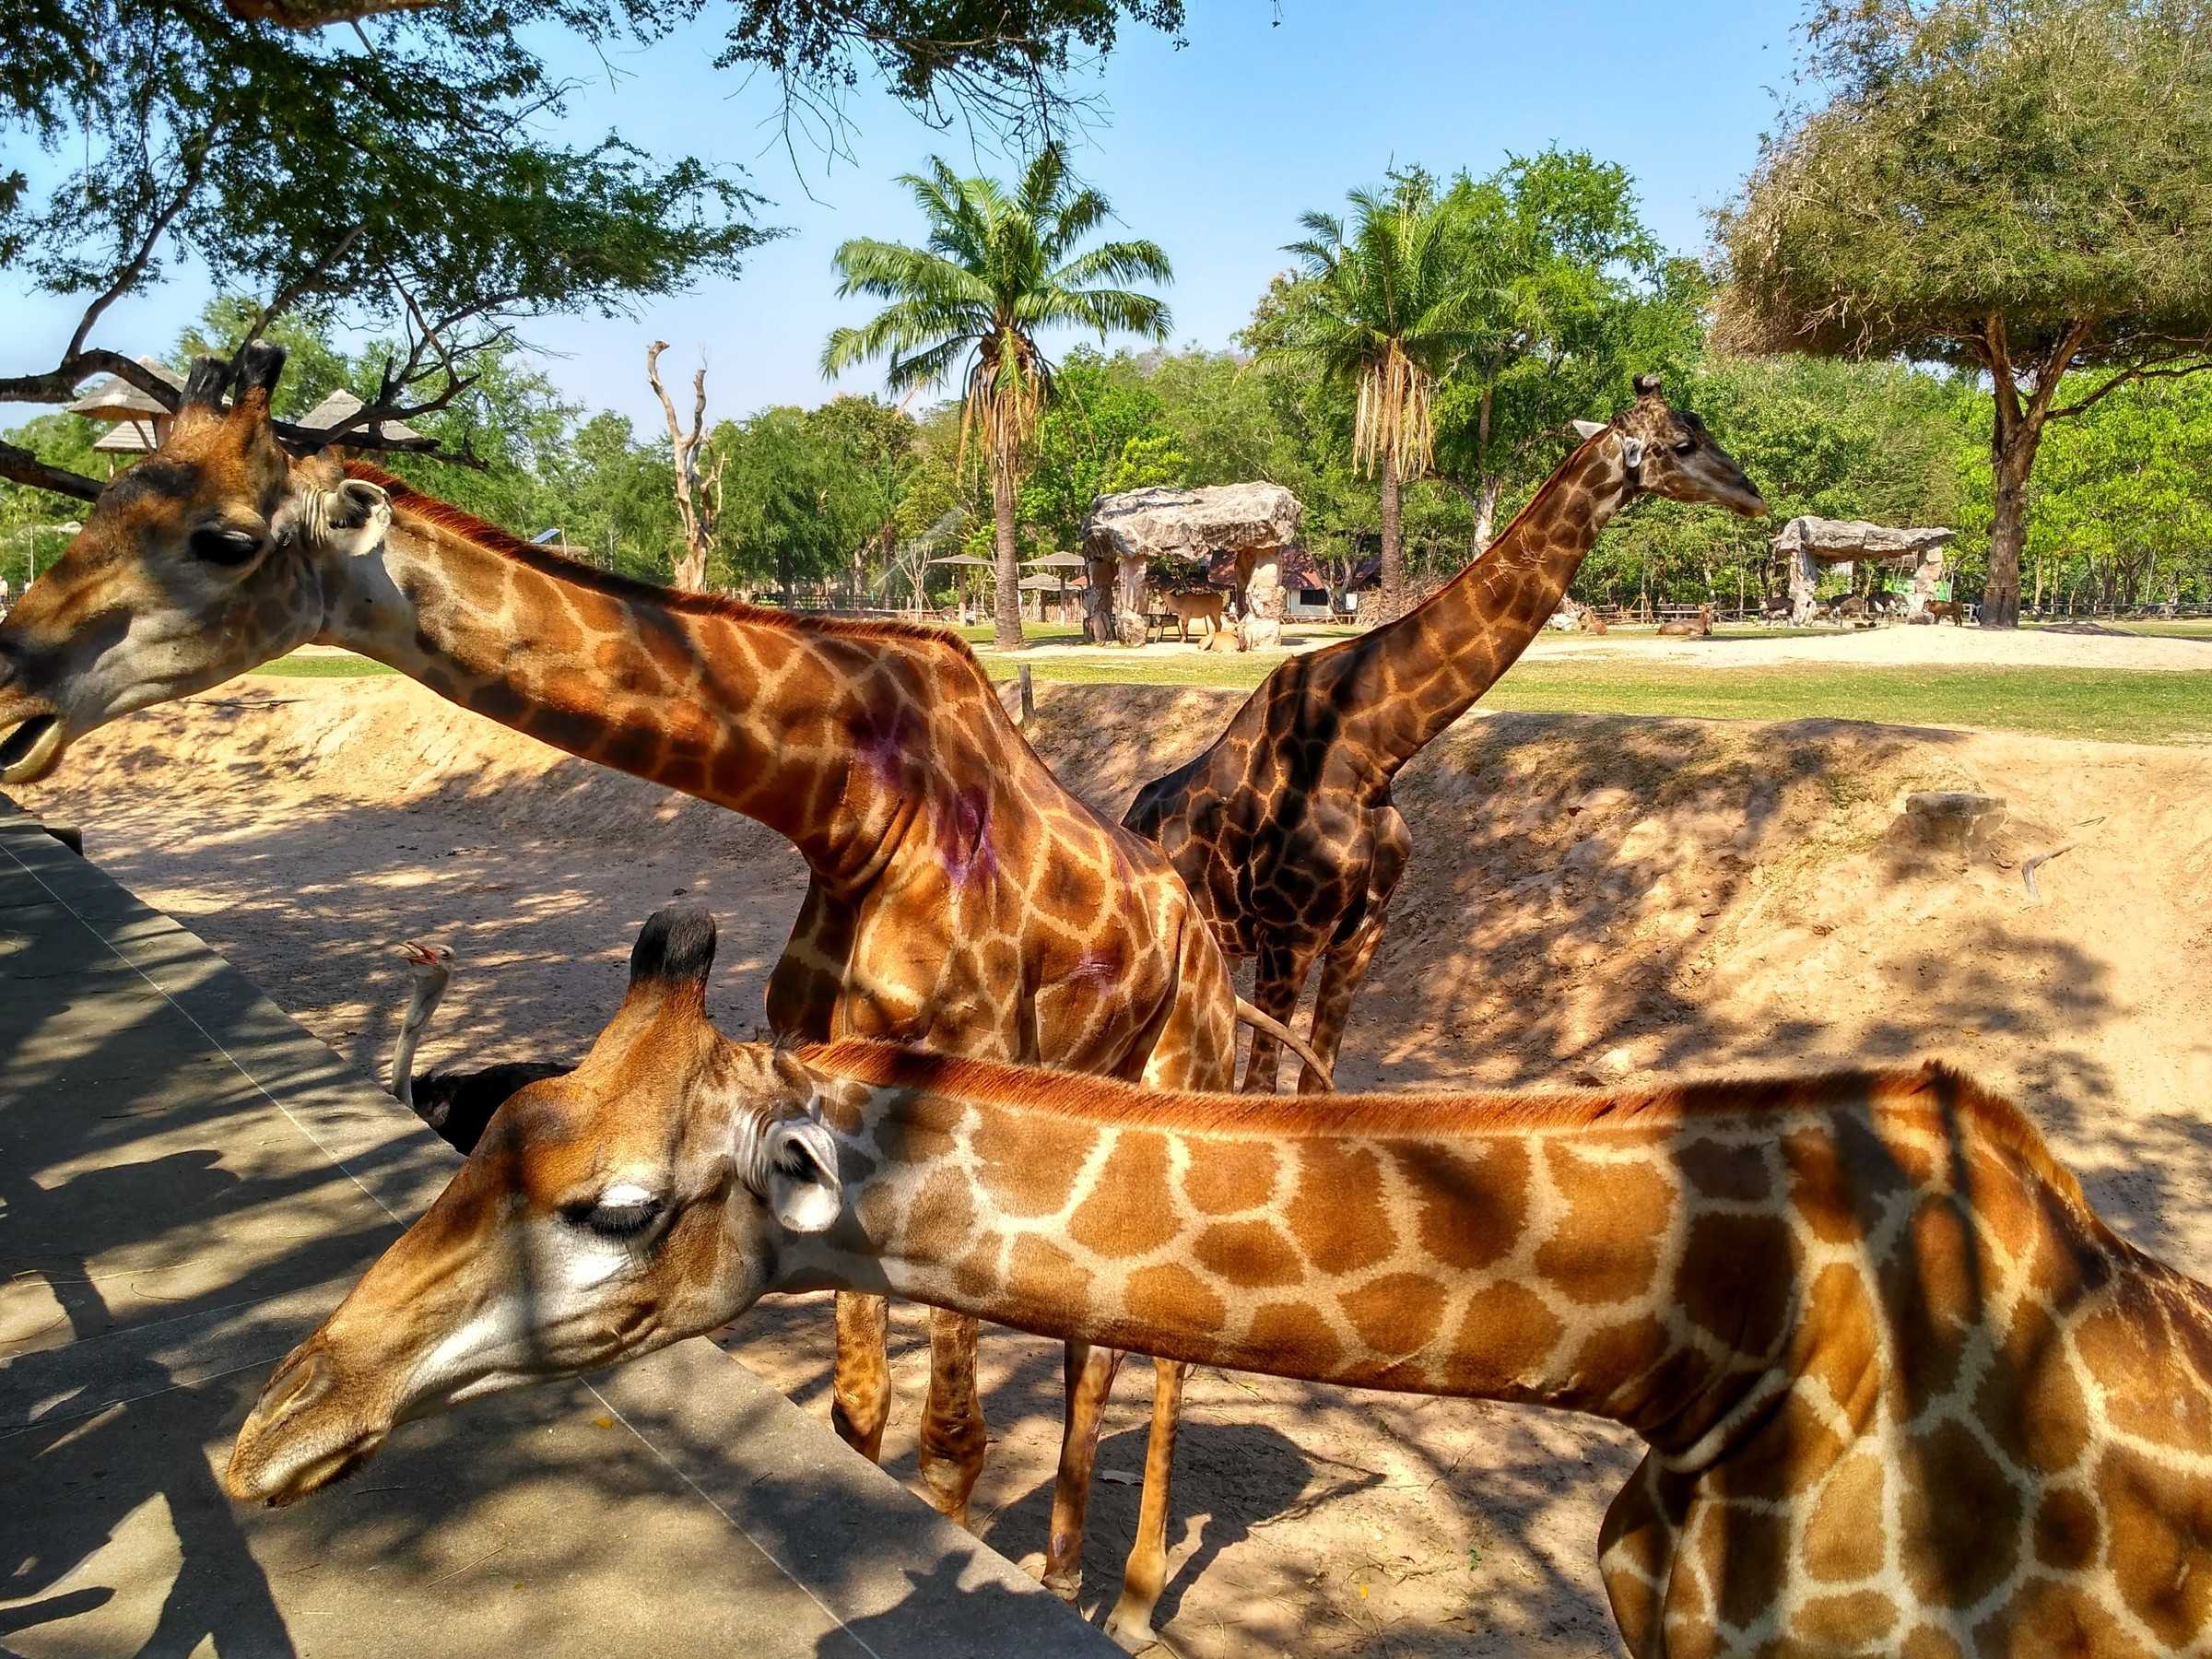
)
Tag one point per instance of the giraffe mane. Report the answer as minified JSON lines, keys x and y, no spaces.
{"x":410,"y":504}
{"x":1933,"y":1085}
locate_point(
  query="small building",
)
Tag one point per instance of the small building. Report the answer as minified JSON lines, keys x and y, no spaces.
{"x":139,"y":422}
{"x":342,"y":405}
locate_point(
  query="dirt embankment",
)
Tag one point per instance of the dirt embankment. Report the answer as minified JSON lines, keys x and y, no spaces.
{"x":1590,"y":898}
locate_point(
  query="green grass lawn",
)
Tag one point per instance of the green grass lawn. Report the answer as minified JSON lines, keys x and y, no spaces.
{"x":2186,"y":628}
{"x":323,"y":667}
{"x":2112,"y":705}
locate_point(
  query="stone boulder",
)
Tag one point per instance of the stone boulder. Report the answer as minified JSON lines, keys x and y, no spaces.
{"x":1124,"y":533}
{"x":1809,"y":543}
{"x":1837,"y":541}
{"x":1952,"y":821}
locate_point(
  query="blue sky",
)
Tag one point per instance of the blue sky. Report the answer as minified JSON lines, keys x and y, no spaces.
{"x":1212,"y":149}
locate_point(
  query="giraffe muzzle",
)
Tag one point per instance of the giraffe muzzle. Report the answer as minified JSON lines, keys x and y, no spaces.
{"x":303,"y":1433}
{"x":30,"y":750}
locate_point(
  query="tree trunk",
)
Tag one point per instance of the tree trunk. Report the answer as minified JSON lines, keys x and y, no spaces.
{"x":1392,"y":600}
{"x":697,"y":503}
{"x":1486,"y":511}
{"x":1007,"y":611}
{"x":2010,"y":462}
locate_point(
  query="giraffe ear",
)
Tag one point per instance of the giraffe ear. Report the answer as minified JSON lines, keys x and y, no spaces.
{"x":800,"y":1161}
{"x":1587,"y":428}
{"x":1632,"y":452}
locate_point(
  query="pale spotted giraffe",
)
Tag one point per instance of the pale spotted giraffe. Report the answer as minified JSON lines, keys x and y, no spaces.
{"x":1903,"y":1391}
{"x":1283,"y":827}
{"x":958,"y":897}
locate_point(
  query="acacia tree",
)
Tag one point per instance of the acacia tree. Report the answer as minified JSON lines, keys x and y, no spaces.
{"x":2018,"y":187}
{"x":998,"y":268}
{"x":1382,"y":310}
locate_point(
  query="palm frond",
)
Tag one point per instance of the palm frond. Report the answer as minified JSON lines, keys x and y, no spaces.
{"x":1114,"y":262}
{"x":1103,"y":310}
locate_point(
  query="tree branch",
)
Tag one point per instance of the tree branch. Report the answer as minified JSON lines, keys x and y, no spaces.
{"x":315,"y":14}
{"x":18,"y":465}
{"x":289,"y":296}
{"x":59,"y":384}
{"x":136,"y":265}
{"x":2127,"y":377}
{"x":2052,"y":369}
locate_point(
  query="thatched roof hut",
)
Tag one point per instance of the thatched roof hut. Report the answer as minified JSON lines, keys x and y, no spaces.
{"x":342,"y":404}
{"x":110,"y":397}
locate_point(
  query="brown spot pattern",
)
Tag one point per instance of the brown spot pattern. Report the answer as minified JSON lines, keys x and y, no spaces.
{"x":1251,"y":1254}
{"x":1337,"y":1212}
{"x":1109,"y":1222}
{"x":1606,"y":1249}
{"x":1395,"y":1316}
{"x":1225,"y":1176}
{"x":1172,"y":1296}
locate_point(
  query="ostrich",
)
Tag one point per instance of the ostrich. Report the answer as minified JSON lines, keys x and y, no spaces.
{"x":457,"y":1104}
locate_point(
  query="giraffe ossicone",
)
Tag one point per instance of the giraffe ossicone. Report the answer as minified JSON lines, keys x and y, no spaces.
{"x":1902,"y":1390}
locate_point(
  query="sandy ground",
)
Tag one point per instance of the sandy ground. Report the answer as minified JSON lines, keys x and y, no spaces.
{"x":1591,"y":897}
{"x":1889,"y":645}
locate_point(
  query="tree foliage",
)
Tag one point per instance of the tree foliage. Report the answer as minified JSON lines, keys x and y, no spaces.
{"x":399,"y":179}
{"x":1572,"y":301}
{"x":1385,"y":308}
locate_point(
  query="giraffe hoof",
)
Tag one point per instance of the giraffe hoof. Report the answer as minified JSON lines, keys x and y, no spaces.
{"x":1130,"y":1628}
{"x":1065,"y":1585}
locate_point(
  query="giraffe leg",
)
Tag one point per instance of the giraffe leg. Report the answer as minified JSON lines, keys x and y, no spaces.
{"x":1341,"y":971}
{"x":950,"y":1453}
{"x":861,"y":1385}
{"x":1145,"y":1574}
{"x":1347,"y":964}
{"x":1091,"y":1373}
{"x":1277,"y":980}
{"x":1635,"y":1555}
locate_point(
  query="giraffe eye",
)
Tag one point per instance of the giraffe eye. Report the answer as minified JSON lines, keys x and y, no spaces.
{"x":218,"y":547}
{"x":625,"y":1217}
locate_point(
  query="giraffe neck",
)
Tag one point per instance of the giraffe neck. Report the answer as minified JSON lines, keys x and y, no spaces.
{"x":1635,"y":1258}
{"x":1459,"y":643}
{"x":754,"y":711}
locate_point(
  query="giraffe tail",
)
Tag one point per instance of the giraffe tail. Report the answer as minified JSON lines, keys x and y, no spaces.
{"x":1248,"y":1015}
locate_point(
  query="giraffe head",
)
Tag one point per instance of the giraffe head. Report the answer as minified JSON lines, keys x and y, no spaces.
{"x":193,"y":566}
{"x":640,"y":1199}
{"x":1670,"y":453}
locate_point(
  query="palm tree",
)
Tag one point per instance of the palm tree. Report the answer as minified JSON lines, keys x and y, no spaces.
{"x":997,"y":268}
{"x":1384,"y":311}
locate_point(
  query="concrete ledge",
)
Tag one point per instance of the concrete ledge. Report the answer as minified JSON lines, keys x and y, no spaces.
{"x":191,"y":1180}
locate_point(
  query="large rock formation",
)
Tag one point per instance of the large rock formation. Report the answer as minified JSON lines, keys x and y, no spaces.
{"x":1124,"y":533}
{"x":1809,"y":543}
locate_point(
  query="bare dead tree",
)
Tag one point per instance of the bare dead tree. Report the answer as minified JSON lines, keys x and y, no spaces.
{"x":698,"y":501}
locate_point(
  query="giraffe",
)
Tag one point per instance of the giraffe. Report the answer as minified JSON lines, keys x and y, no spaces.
{"x":1902,"y":1391}
{"x":1284,"y":828}
{"x":958,"y":898}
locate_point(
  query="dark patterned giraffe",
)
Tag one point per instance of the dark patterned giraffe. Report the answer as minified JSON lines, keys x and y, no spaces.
{"x":1284,"y":828}
{"x":960,"y":899}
